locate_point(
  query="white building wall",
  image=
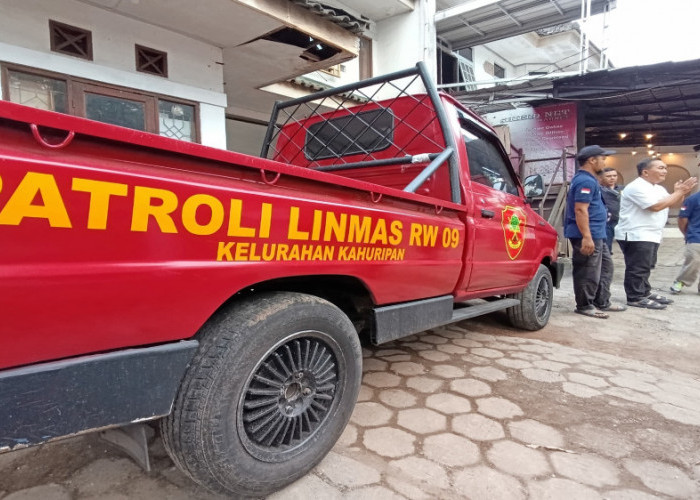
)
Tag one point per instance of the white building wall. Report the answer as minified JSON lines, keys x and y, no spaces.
{"x":403,"y":40}
{"x":397,"y":43}
{"x":245,"y":137}
{"x":482,"y":57}
{"x":531,"y":52}
{"x":193,"y":70}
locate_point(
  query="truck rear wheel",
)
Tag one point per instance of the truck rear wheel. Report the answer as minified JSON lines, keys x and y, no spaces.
{"x":268,"y":394}
{"x":535,"y":302}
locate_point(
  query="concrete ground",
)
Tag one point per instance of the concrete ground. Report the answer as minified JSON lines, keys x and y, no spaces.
{"x":583,"y":409}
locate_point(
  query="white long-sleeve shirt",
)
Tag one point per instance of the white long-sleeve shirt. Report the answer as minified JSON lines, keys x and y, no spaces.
{"x":637,"y":223}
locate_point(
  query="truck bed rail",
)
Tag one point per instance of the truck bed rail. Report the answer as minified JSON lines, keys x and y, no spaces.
{"x":352,"y":126}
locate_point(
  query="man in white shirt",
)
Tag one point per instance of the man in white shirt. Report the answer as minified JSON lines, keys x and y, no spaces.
{"x":643,"y":213}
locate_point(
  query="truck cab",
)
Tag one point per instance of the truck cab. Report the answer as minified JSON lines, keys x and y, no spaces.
{"x":393,"y":142}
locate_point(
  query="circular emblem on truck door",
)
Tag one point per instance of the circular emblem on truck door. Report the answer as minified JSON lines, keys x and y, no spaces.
{"x":513,"y":222}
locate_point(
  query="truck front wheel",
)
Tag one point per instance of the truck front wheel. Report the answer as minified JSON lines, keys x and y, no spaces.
{"x":268,"y":394}
{"x":535,"y":302}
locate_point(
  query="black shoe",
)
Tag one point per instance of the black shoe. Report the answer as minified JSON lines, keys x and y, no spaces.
{"x":660,"y":299}
{"x":646,"y":304}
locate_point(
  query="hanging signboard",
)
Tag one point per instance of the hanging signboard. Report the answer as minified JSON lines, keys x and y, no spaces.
{"x":542,"y":133}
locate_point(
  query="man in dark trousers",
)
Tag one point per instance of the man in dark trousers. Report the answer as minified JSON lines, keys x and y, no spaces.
{"x":585,"y":226}
{"x":643,"y":213}
{"x":611,"y":197}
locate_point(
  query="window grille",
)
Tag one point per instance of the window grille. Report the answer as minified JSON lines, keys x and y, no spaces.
{"x":70,"y":40}
{"x":38,"y":91}
{"x":466,"y":73}
{"x":176,"y":120}
{"x":152,"y":61}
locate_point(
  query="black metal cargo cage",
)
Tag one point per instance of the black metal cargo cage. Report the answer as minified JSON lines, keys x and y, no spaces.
{"x":357,"y":125}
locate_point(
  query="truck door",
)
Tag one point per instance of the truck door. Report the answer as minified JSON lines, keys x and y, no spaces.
{"x":500,"y":256}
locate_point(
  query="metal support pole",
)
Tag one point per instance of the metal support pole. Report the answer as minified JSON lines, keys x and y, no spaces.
{"x":585,"y":43}
{"x":428,"y":171}
{"x":446,"y":130}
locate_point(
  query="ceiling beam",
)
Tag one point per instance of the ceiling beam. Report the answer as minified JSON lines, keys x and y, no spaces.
{"x":554,"y":17}
{"x":556,"y":6}
{"x":616,"y":127}
{"x":477,"y":30}
{"x":509,"y":16}
{"x":688,"y":138}
{"x":622,"y":82}
{"x":644,"y":130}
{"x":635,"y":108}
{"x":655,"y":128}
{"x":463,"y":8}
{"x":660,"y":138}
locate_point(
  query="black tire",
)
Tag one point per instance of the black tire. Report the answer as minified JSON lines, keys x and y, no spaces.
{"x":268,"y":394}
{"x":535,"y":302}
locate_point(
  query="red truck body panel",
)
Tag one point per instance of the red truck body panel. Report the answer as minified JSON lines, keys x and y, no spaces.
{"x":127,"y":239}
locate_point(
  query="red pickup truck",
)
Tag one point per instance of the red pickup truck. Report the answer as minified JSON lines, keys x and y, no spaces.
{"x":145,"y":278}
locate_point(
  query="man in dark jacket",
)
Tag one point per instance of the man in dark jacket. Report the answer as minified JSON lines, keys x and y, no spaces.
{"x":611,"y":197}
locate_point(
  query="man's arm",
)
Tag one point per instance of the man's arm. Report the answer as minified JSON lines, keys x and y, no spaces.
{"x":581,"y":213}
{"x":683,"y":224}
{"x":680,"y":190}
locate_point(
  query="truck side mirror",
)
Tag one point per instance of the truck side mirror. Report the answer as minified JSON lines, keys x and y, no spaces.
{"x":533,"y":186}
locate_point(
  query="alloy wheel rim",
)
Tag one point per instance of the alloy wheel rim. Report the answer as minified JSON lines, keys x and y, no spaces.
{"x":288,"y":396}
{"x":542,"y":300}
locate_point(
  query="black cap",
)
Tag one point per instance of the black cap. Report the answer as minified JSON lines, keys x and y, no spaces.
{"x":587,"y":152}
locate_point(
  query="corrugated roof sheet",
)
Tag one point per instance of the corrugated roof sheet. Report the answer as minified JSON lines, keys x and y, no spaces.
{"x":507,"y":18}
{"x":662,"y":99}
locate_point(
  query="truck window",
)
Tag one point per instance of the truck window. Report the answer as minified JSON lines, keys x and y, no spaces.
{"x":486,"y":164}
{"x":360,"y":133}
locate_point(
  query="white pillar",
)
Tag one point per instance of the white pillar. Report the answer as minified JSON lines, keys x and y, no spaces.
{"x":403,"y":40}
{"x":429,"y":36}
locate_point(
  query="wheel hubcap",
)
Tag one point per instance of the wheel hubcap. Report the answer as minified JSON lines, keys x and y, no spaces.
{"x":288,"y":396}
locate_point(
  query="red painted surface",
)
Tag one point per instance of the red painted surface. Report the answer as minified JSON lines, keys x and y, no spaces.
{"x":121,"y":238}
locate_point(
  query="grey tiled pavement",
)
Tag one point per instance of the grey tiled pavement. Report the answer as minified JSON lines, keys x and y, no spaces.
{"x":584,"y":409}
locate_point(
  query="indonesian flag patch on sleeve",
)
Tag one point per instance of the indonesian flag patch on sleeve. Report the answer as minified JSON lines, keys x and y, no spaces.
{"x":585,"y":190}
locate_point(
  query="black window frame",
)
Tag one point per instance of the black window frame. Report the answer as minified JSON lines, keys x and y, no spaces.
{"x":499,"y":71}
{"x":338,"y":129}
{"x":480,"y":157}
